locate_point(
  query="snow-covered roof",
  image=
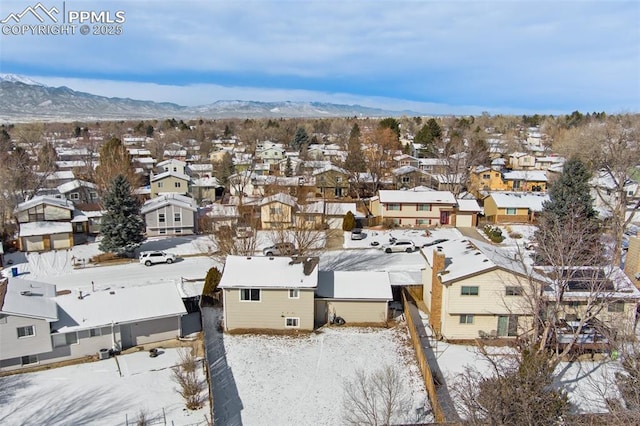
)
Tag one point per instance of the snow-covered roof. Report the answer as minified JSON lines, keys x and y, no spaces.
{"x":118,"y":306}
{"x":340,"y":209}
{"x":426,"y":197}
{"x":367,"y":285}
{"x":207,"y":167}
{"x":169,"y":199}
{"x":75,"y":184}
{"x":44,"y":199}
{"x":604,"y":179}
{"x":405,"y":277}
{"x":269,"y":272}
{"x":466,"y":205}
{"x":531,"y":200}
{"x":222,"y":210}
{"x":28,"y":299}
{"x":526,"y":175}
{"x":190,"y":288}
{"x":403,"y":170}
{"x":61,"y":175}
{"x":44,"y":228}
{"x":163,"y":175}
{"x":279,"y":197}
{"x":330,"y":167}
{"x":210,"y":182}
{"x":585,"y":281}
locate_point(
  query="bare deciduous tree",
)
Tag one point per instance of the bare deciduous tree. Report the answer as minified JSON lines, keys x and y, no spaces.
{"x":190,"y":385}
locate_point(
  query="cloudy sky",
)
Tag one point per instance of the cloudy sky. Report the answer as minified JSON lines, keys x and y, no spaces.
{"x":428,"y":56}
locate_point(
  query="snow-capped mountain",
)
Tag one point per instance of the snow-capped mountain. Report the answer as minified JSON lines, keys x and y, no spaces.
{"x":23,"y":99}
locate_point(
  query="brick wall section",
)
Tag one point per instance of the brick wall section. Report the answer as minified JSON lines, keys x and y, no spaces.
{"x":435,"y":317}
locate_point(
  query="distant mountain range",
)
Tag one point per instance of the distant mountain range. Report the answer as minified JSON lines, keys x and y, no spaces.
{"x":22,"y":99}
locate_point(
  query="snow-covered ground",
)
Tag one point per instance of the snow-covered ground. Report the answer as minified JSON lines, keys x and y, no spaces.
{"x":99,"y":393}
{"x":418,"y":236}
{"x":299,"y":380}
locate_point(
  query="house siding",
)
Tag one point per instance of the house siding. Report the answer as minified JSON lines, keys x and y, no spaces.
{"x":365,"y":311}
{"x":186,"y":224}
{"x":168,"y":186}
{"x":270,"y":312}
{"x":51,"y":213}
{"x":11,"y":346}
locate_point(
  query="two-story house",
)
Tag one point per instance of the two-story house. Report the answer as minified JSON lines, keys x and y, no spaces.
{"x":332,"y":182}
{"x":275,"y":293}
{"x":170,"y":214}
{"x":45,"y":224}
{"x":414,"y":208}
{"x":277,"y":211}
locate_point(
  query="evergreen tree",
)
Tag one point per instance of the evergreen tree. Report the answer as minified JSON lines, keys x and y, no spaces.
{"x":211,"y":282}
{"x":568,"y":227}
{"x":391,"y":123}
{"x":349,"y":221}
{"x":122,"y":226}
{"x":355,"y":162}
{"x":288,"y":168}
{"x":223,"y":169}
{"x":301,"y":138}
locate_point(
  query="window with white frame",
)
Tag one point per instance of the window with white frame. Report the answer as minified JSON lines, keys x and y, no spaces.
{"x":513,"y":291}
{"x":29,"y":359}
{"x":292,"y":322}
{"x":470,"y":290}
{"x":93,"y":195}
{"x":423,"y":222}
{"x":406,"y":179}
{"x":74,"y":196}
{"x":26,"y":331}
{"x":250,"y":294}
{"x":95,"y":332}
{"x":177,"y":184}
{"x":160,"y":185}
{"x":161,"y":218}
{"x":64,"y":339}
{"x":511,"y":211}
{"x":294,"y":293}
{"x":162,"y":231}
{"x":466,"y":319}
{"x":177,"y":217}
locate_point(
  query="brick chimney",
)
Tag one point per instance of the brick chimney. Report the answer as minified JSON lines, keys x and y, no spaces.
{"x":632,"y":264}
{"x":435,"y":318}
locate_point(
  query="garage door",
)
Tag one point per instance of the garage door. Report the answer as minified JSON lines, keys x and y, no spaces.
{"x":59,"y":241}
{"x":33,"y":243}
{"x":464,"y":221}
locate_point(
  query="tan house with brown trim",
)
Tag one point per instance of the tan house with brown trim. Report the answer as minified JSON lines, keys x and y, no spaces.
{"x":169,"y":182}
{"x":332,"y":182}
{"x":414,"y":208}
{"x":45,"y":224}
{"x":269,"y":293}
{"x":513,"y":207}
{"x":276,"y":211}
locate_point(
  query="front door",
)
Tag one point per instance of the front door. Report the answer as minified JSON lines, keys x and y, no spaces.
{"x":444,"y":218}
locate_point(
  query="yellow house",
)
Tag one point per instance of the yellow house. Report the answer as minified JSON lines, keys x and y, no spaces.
{"x":525,"y":180}
{"x":269,"y":293}
{"x":276,"y":211}
{"x":169,"y":182}
{"x":513,"y":207}
{"x":485,"y":179}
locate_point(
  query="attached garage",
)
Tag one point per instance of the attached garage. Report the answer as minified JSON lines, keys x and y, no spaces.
{"x":357,"y":297}
{"x":43,"y":236}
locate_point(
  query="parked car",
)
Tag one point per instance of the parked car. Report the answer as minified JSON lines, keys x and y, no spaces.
{"x":280,"y":249}
{"x":149,"y":258}
{"x":399,"y":245}
{"x":357,"y":234}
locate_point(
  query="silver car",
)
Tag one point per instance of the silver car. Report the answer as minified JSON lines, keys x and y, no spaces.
{"x":398,"y":246}
{"x":149,"y":258}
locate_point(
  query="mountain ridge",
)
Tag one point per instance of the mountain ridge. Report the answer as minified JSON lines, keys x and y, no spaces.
{"x":23,"y":99}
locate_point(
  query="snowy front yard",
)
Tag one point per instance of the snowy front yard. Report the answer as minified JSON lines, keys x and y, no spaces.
{"x":99,"y":393}
{"x":299,"y":380}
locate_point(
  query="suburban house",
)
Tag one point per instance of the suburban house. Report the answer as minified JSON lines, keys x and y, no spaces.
{"x":525,"y":180}
{"x":276,"y":211}
{"x":170,"y":214}
{"x":40,"y":326}
{"x":206,"y":189}
{"x":409,"y":177}
{"x":483,"y":178}
{"x":45,"y":224}
{"x":271,"y":155}
{"x":521,"y":161}
{"x":172,"y":165}
{"x":274,"y":293}
{"x":467,"y":212}
{"x":470,"y":294}
{"x":414,"y":208}
{"x":357,"y":297}
{"x":169,"y":182}
{"x":221,"y":215}
{"x":80,"y":192}
{"x":332,"y":182}
{"x":513,"y":207}
{"x":604,"y":192}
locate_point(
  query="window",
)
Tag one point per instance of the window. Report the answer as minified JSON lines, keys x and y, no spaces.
{"x":3,"y":319}
{"x":294,"y":293}
{"x":616,"y":307}
{"x":177,"y":217}
{"x":486,"y":176}
{"x":177,"y":184}
{"x":393,"y":206}
{"x":469,"y":290}
{"x":406,"y":179}
{"x":275,"y":211}
{"x":161,"y":218}
{"x":64,"y":339}
{"x":26,"y":331}
{"x":29,"y":359}
{"x":423,"y":222}
{"x":74,"y":196}
{"x":466,"y":319}
{"x":162,"y":231}
{"x":424,"y":207}
{"x":159,"y":184}
{"x":511,"y":211}
{"x":93,"y":195}
{"x":517,"y":184}
{"x":95,"y":332}
{"x":338,"y":179}
{"x":292,"y":322}
{"x":250,"y":294}
{"x":178,"y":231}
{"x":513,"y":291}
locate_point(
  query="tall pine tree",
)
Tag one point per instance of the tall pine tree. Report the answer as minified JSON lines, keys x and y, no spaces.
{"x":122,"y":226}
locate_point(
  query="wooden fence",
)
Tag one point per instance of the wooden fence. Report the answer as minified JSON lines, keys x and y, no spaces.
{"x":421,"y":357}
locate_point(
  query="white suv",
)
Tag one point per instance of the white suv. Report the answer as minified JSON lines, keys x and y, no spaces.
{"x":149,"y":258}
{"x":399,"y":245}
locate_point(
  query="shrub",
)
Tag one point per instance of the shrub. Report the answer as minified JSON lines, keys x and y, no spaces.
{"x":494,"y":233}
{"x":349,"y":221}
